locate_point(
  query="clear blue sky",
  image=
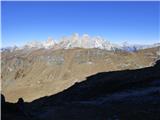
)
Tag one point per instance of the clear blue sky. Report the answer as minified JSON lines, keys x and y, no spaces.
{"x":135,"y":22}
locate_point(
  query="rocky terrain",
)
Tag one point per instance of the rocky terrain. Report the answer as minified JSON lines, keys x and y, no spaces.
{"x":77,"y":41}
{"x":33,"y":73}
{"x":80,"y":79}
{"x":116,"y":95}
{"x":45,"y":68}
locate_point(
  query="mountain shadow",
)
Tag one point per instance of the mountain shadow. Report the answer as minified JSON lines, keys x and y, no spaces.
{"x":117,"y":95}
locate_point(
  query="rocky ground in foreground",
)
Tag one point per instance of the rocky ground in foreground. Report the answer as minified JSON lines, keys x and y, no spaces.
{"x":35,"y":73}
{"x":118,"y":95}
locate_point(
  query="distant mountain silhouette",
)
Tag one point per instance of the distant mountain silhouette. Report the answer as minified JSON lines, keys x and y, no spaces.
{"x":117,"y":95}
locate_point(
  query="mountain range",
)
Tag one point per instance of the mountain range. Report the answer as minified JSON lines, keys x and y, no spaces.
{"x":48,"y":67}
{"x":77,"y":41}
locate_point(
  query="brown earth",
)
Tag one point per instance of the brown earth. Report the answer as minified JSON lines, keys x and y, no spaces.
{"x":36,"y":73}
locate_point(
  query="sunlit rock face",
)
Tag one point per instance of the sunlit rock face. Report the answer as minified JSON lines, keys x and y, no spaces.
{"x":85,"y":41}
{"x":49,"y":43}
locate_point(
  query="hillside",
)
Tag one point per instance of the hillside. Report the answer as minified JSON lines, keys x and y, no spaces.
{"x":122,"y":95}
{"x":35,"y":73}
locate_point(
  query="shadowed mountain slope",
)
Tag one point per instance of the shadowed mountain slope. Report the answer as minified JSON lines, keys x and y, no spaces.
{"x":117,"y":95}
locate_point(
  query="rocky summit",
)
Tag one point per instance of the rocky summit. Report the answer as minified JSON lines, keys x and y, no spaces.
{"x":77,"y":41}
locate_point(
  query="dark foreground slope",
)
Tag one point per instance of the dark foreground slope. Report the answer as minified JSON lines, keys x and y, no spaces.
{"x":118,"y":95}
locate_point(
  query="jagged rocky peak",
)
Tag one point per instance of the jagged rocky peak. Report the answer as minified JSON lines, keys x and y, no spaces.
{"x":50,"y":40}
{"x":85,"y":36}
{"x":75,"y":37}
{"x":74,"y":41}
{"x":37,"y":44}
{"x":82,"y":41}
{"x":85,"y":41}
{"x":34,"y":44}
{"x":49,"y":43}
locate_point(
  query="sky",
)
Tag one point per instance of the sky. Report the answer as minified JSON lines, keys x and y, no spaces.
{"x":133,"y":22}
